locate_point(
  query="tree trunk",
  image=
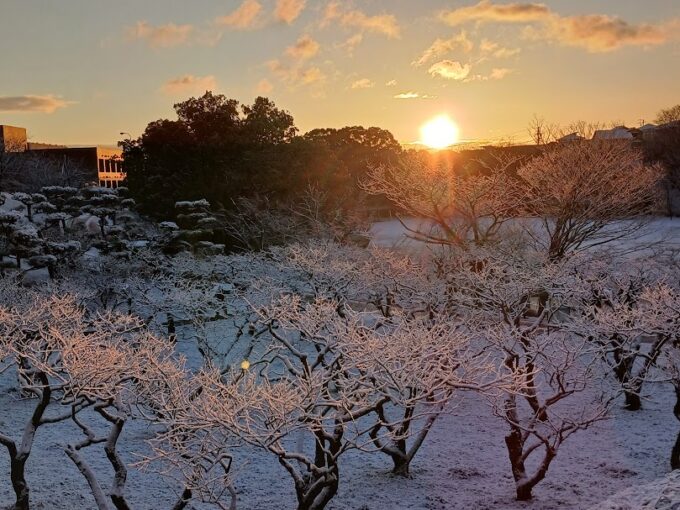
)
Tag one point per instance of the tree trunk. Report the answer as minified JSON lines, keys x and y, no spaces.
{"x":524,"y":492}
{"x":402,"y":465}
{"x":86,"y":471}
{"x":675,"y":453}
{"x":18,"y":476}
{"x":633,"y":401}
{"x":320,"y":498}
{"x":183,"y":500}
{"x":514,"y":444}
{"x":19,"y":456}
{"x":316,"y":491}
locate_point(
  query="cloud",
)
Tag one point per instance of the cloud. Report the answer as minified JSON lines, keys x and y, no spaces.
{"x":490,"y":48}
{"x":264,"y":86}
{"x":496,"y":74}
{"x":596,"y":33}
{"x":288,"y":10}
{"x":351,"y":44}
{"x":412,"y":95}
{"x":391,"y":83}
{"x":384,"y":24}
{"x":486,"y":11}
{"x":441,"y":47}
{"x":189,"y":84}
{"x":32,"y":104}
{"x":163,"y":36}
{"x":296,"y":75}
{"x":450,"y":69}
{"x":602,"y":33}
{"x":500,"y":73}
{"x":304,"y":49}
{"x":364,"y":83}
{"x":310,"y":76}
{"x":244,"y":17}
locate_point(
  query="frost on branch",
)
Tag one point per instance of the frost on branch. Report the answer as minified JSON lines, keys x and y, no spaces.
{"x":521,"y":310}
{"x":463,"y":205}
{"x":588,"y":193}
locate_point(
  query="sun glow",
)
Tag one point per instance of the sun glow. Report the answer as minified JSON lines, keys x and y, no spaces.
{"x":439,"y":132}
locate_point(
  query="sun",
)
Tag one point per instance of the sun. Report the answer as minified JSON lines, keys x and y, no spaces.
{"x":439,"y":132}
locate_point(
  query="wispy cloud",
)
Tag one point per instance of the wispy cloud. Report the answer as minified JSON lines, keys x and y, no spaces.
{"x":496,"y":74}
{"x":244,"y":17}
{"x":391,"y":83}
{"x":351,"y":43}
{"x":490,"y":48}
{"x":595,"y":33}
{"x":441,"y":47}
{"x":296,"y":75}
{"x":32,"y":104}
{"x":500,"y":73}
{"x":363,"y":83}
{"x":384,"y":24}
{"x":288,"y":11}
{"x":413,"y":95}
{"x":601,"y":33}
{"x":303,"y":49}
{"x":162,"y":36}
{"x":264,"y":86}
{"x":487,"y":11}
{"x":189,"y":84}
{"x":450,"y":69}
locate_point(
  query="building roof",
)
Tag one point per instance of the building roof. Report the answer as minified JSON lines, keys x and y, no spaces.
{"x":617,"y":133}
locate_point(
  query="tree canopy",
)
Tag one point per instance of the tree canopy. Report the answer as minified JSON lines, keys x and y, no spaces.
{"x":222,"y":150}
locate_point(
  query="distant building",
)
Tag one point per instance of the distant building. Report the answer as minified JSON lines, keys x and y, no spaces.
{"x":571,"y":137}
{"x":12,"y":139}
{"x":617,"y":133}
{"x":648,"y":127}
{"x":102,"y":165}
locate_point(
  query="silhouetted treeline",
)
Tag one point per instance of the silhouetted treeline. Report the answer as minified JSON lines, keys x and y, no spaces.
{"x":221,"y":150}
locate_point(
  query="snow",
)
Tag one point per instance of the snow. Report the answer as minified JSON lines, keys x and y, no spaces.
{"x":660,"y":494}
{"x":655,"y":235}
{"x":462,"y":465}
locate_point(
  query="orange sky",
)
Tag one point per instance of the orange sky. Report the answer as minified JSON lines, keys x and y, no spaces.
{"x":82,"y":71}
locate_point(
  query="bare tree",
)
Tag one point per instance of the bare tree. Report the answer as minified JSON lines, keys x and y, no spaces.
{"x":39,"y":341}
{"x":561,"y":368}
{"x":587,"y":194}
{"x":583,"y":129}
{"x":541,"y":131}
{"x":418,"y":364}
{"x":668,"y":115}
{"x":462,"y":207}
{"x":517,"y":306}
{"x":321,"y":378}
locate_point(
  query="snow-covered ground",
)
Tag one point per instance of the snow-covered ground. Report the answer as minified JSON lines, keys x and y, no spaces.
{"x":462,"y":465}
{"x":658,"y":234}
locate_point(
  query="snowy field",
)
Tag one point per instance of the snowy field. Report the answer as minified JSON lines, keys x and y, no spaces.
{"x":463,"y":463}
{"x":657,"y":234}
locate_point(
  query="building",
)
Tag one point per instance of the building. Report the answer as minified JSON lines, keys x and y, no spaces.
{"x":617,"y":133}
{"x":12,"y":139}
{"x":571,"y":137}
{"x":101,"y":164}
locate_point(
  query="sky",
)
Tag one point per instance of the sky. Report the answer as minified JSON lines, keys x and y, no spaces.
{"x":83,"y":71}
